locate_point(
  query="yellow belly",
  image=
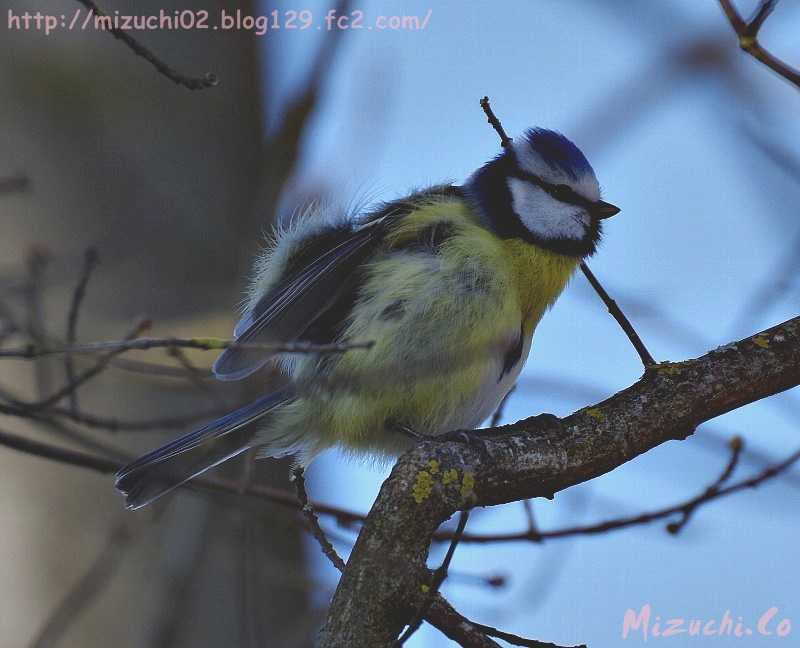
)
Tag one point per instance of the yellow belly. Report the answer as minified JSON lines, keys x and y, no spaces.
{"x":440,"y":367}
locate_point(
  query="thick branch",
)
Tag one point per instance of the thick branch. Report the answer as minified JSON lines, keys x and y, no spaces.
{"x":382,"y":584}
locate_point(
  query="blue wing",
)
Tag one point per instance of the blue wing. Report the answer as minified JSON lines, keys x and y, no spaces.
{"x":288,"y":310}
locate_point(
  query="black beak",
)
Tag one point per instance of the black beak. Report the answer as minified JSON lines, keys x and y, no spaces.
{"x":602,"y":209}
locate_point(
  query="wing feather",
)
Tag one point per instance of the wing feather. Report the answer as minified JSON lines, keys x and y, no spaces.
{"x":287,"y":311}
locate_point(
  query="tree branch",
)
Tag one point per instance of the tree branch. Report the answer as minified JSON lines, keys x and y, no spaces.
{"x":106,"y":466}
{"x":613,"y":308}
{"x":748,"y":37}
{"x":200,"y":343}
{"x":208,"y":80}
{"x":381,"y":586}
{"x":90,"y":261}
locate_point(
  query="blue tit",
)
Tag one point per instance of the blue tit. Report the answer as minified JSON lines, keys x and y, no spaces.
{"x":448,"y":284}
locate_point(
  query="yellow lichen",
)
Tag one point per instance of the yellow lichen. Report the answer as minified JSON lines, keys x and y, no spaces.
{"x":450,"y":476}
{"x":425,"y":589}
{"x":747,"y":42}
{"x":595,"y":413}
{"x":422,"y":486}
{"x":669,"y":368}
{"x":761,"y":341}
{"x":467,"y":484}
{"x":434,"y":466}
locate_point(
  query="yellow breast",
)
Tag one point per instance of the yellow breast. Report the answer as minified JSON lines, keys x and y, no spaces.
{"x":540,"y":276}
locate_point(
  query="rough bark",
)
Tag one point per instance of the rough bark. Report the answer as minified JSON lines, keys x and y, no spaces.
{"x":386,"y":575}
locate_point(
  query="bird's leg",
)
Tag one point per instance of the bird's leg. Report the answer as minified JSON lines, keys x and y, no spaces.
{"x":478,"y":437}
{"x":468,"y":437}
{"x":409,"y":432}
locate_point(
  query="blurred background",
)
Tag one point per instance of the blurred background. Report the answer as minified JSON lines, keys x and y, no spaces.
{"x":699,"y":145}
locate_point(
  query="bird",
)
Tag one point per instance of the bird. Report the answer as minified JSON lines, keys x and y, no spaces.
{"x":444,"y":287}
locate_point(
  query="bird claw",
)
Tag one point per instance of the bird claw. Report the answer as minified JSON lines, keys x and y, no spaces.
{"x":472,"y":438}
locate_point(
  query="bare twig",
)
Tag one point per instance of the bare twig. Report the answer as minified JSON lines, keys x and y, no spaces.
{"x":613,"y":308}
{"x":89,"y":263}
{"x":505,"y":140}
{"x":90,"y":373}
{"x":106,"y":466}
{"x":736,"y":445}
{"x":529,"y":516}
{"x":192,"y":83}
{"x":201,"y":343}
{"x":313,"y":523}
{"x":748,"y":37}
{"x":516,"y":640}
{"x":111,"y":424}
{"x":37,"y":261}
{"x":196,"y":376}
{"x":762,"y":12}
{"x":619,"y":316}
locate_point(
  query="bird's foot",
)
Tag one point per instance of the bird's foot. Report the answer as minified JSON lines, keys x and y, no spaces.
{"x":468,"y":437}
{"x":410,"y":433}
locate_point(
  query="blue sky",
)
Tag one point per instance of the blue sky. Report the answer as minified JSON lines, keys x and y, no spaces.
{"x":706,"y":218}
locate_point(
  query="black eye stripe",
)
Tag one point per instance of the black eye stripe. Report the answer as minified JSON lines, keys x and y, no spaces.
{"x":561,"y":192}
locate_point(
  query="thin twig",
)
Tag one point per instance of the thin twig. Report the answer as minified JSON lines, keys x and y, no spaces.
{"x":612,"y":306}
{"x":748,"y":38}
{"x":516,"y":640}
{"x":437,"y":612}
{"x":736,"y":444}
{"x":192,"y":83}
{"x":762,"y":12}
{"x":619,"y":316}
{"x":37,"y":261}
{"x":90,"y":373}
{"x":201,"y":343}
{"x":529,"y":516}
{"x":106,"y":466}
{"x":196,"y":376}
{"x":111,"y":424}
{"x":505,"y":140}
{"x":313,"y":522}
{"x":90,"y":261}
{"x":436,"y":582}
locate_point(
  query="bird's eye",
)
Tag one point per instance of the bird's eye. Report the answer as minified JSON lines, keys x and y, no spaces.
{"x":562,"y":192}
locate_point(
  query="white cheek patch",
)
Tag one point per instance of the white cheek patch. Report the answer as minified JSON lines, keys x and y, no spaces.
{"x":545,"y":216}
{"x":586,"y":183}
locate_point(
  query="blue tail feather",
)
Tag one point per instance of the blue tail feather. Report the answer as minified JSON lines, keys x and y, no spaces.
{"x":164,"y":469}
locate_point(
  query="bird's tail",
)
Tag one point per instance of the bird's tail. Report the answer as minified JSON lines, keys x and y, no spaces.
{"x":166,"y":468}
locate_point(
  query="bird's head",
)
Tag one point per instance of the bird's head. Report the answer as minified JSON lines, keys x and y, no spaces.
{"x":543,"y":190}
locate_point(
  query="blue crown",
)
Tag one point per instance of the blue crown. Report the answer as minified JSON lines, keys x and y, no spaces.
{"x":558,"y":152}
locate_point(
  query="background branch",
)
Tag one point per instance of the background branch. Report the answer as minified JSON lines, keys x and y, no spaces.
{"x":748,"y":37}
{"x":208,"y":80}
